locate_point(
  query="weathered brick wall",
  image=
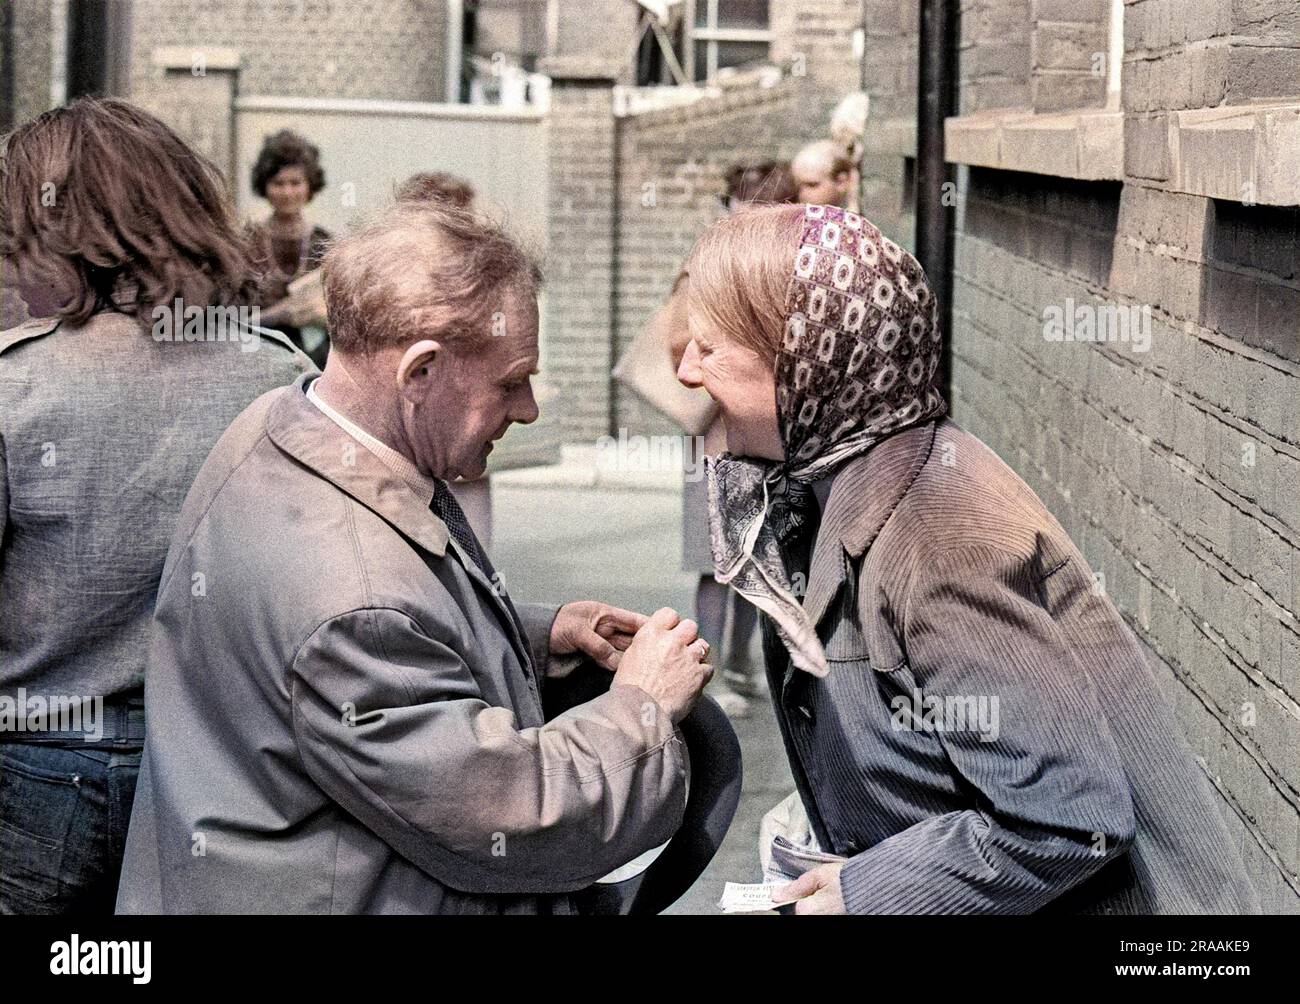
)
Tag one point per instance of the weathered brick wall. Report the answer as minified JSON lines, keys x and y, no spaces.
{"x":1069,"y":52}
{"x":580,"y":254}
{"x":385,"y":49}
{"x":1176,"y":469}
{"x":889,"y":78}
{"x":994,"y":61}
{"x":1201,"y":53}
{"x":669,"y":168}
{"x":819,"y":33}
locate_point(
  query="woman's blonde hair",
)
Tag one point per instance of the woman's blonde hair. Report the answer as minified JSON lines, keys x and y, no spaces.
{"x":740,"y":272}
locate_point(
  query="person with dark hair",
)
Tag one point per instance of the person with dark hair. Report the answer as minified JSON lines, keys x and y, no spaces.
{"x":287,"y":245}
{"x":139,"y":355}
{"x":763,"y":183}
{"x":437,"y":186}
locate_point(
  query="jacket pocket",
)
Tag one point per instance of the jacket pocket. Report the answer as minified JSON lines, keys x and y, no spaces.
{"x":862,"y":633}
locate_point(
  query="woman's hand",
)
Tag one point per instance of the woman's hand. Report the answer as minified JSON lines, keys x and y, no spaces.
{"x":817,"y":891}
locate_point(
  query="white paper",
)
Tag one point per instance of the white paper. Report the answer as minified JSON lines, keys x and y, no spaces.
{"x":746,"y":897}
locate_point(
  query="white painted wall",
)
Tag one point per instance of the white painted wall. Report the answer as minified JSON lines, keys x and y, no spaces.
{"x":367,"y":147}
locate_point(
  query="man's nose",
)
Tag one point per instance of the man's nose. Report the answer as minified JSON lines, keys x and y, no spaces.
{"x":528,"y":412}
{"x":689,"y":371}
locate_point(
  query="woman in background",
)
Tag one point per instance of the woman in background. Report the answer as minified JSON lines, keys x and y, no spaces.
{"x":287,"y":245}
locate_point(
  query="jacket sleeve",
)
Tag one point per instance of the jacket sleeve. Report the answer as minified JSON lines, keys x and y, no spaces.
{"x":390,"y":723}
{"x":537,"y":619}
{"x":1051,"y":800}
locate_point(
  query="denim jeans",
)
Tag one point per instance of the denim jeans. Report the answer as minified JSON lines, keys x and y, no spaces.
{"x":64,"y":811}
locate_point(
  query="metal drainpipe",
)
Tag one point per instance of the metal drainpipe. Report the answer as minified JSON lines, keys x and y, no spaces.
{"x":8,"y":115}
{"x":936,"y":99}
{"x":88,"y":48}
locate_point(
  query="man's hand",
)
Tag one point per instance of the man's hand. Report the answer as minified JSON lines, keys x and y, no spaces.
{"x":817,"y":891}
{"x":596,"y":630}
{"x":666,"y":660}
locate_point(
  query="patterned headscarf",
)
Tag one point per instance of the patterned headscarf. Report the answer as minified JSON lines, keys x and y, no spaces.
{"x":856,"y":365}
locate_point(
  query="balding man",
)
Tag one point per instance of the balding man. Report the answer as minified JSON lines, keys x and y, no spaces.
{"x":345,"y":706}
{"x":823,"y":173}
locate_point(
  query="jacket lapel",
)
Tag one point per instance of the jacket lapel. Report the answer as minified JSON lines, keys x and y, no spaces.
{"x":865,"y":493}
{"x":299,"y":428}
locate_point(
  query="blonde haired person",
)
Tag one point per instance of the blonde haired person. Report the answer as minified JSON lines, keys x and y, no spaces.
{"x":932,"y":571}
{"x":718,"y":612}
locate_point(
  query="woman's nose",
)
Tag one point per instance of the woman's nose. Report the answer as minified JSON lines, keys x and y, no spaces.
{"x":689,"y":371}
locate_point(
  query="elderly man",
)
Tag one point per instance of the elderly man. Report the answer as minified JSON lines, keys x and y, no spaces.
{"x":345,"y":706}
{"x":823,"y":173}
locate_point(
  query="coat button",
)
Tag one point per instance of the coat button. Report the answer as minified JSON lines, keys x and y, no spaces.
{"x":806,"y":711}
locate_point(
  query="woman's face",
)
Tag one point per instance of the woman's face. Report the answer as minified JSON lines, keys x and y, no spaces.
{"x":288,"y":191}
{"x":742,"y":383}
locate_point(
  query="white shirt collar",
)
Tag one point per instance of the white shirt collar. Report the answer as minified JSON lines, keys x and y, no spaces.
{"x":423,"y":485}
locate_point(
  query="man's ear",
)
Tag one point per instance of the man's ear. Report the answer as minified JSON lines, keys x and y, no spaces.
{"x":415,"y":373}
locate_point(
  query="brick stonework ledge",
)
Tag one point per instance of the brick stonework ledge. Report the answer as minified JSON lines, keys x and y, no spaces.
{"x":1088,"y":144}
{"x":1218,"y":152}
{"x":182,"y":57}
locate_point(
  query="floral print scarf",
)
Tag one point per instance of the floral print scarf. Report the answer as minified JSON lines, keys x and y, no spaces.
{"x":856,"y":364}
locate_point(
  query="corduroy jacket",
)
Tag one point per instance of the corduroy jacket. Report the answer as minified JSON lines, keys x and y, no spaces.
{"x":990,"y":737}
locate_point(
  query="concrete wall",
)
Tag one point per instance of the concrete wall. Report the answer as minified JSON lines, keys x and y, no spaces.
{"x":369,"y":147}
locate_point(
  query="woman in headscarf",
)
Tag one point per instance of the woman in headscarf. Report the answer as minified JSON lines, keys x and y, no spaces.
{"x":971,"y":725}
{"x":720,"y":614}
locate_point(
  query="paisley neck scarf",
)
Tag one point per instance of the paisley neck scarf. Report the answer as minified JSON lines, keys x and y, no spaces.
{"x":856,"y":365}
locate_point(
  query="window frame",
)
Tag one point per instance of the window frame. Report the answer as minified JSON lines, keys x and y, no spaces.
{"x":711,"y":35}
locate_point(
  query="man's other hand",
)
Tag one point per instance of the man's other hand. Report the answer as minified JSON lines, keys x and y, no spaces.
{"x":596,"y":630}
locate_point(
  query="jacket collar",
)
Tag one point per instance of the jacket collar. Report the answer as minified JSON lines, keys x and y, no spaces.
{"x":301,"y":430}
{"x":865,"y":493}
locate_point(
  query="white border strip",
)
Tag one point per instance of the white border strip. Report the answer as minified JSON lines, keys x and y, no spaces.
{"x":366,"y":106}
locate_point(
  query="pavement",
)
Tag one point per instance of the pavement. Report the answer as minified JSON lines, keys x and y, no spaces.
{"x":568,"y":533}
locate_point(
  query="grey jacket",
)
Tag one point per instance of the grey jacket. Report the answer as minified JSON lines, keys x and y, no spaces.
{"x":990,"y":738}
{"x":102,"y":430}
{"x":345,"y":716}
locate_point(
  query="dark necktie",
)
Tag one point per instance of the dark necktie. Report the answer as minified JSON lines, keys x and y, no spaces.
{"x":447,"y":509}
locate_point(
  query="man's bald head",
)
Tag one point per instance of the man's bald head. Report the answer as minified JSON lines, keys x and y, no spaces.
{"x":824,"y":173}
{"x":421,"y":270}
